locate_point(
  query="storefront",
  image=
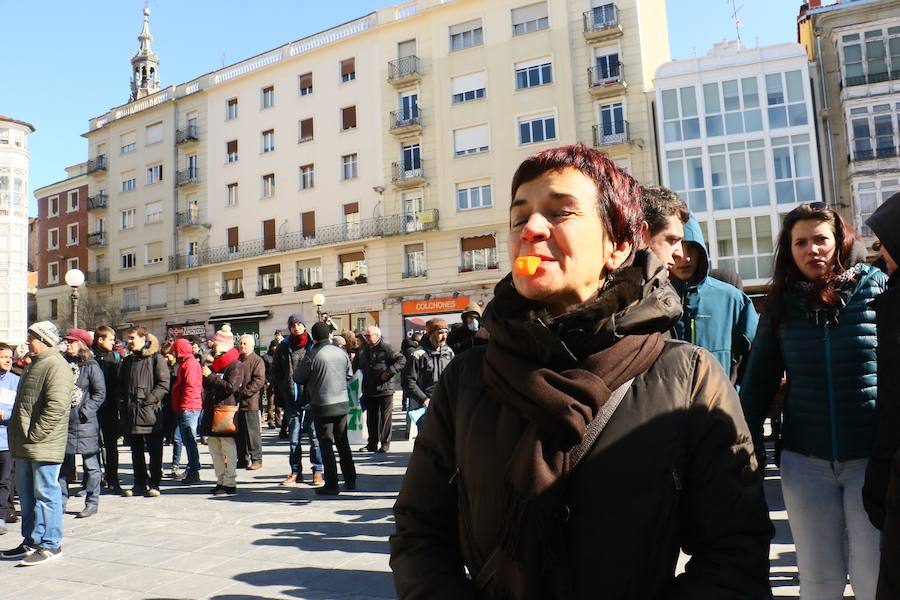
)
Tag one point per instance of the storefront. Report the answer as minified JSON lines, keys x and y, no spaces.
{"x":190,"y":329}
{"x":417,"y":312}
{"x":242,"y":324}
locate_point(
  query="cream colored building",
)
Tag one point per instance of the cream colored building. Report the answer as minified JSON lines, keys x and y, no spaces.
{"x":369,"y":162}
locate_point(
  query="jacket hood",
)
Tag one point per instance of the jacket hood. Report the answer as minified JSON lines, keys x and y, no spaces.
{"x":222,"y":361}
{"x":885,"y":223}
{"x":182,"y":348}
{"x":694,"y":235}
{"x":635,"y":300}
{"x":153,"y":346}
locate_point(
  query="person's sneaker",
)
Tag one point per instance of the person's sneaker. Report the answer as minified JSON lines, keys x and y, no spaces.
{"x":349,"y":486}
{"x":128,"y":493}
{"x":328,"y":491}
{"x":152,"y":493}
{"x":254,"y":466}
{"x":41,"y":555}
{"x":89,"y":511}
{"x":176,"y":473}
{"x":220,"y":490}
{"x":381,"y":450}
{"x":318,"y":480}
{"x":366,"y":449}
{"x":231,"y":491}
{"x":11,"y":517}
{"x":290,"y":479}
{"x":191,"y":478}
{"x":20,"y":551}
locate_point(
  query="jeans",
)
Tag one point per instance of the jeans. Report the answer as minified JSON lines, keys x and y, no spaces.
{"x":224,"y":455}
{"x":154,"y":443}
{"x":832,"y":533}
{"x":91,"y":465}
{"x":177,"y":444}
{"x":187,"y":430}
{"x":41,"y":503}
{"x":300,"y":422}
{"x":332,"y":431}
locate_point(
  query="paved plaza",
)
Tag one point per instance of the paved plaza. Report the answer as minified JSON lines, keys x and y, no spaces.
{"x":266,"y":542}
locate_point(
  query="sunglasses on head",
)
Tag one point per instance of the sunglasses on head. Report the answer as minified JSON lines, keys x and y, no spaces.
{"x":876,"y":245}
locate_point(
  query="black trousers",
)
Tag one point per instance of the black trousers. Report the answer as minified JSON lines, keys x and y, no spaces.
{"x":6,"y":482}
{"x":249,"y":438}
{"x":154,"y":445}
{"x":332,"y":431}
{"x":109,"y":428}
{"x":379,"y":416}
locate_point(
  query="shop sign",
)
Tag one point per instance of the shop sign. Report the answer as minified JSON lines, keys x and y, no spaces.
{"x":435,"y":306}
{"x":198,"y":330}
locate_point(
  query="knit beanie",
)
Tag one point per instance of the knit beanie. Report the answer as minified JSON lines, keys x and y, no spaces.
{"x":321,"y":331}
{"x":46,"y":332}
{"x":435,"y":324}
{"x":885,"y":223}
{"x":470,"y":309}
{"x":224,"y":335}
{"x":296,"y":318}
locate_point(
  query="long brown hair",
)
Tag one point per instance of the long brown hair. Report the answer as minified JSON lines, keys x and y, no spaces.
{"x":786,"y":270}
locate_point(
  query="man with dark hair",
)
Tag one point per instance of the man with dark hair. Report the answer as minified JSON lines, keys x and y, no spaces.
{"x":9,"y":382}
{"x":108,"y":415}
{"x":664,"y":217}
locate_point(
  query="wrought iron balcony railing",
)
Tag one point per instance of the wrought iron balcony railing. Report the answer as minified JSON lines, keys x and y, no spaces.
{"x":187,"y":218}
{"x":403,"y":172}
{"x":404,"y":68}
{"x":602,"y":78}
{"x":401,"y":119}
{"x":601,"y":18}
{"x":96,"y":239}
{"x":99,"y":200}
{"x":610,"y":134}
{"x":98,"y":276}
{"x":97,"y":164}
{"x":188,"y":134}
{"x":187,"y":176}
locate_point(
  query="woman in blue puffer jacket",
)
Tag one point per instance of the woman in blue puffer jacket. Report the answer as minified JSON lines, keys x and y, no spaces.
{"x":818,"y":326}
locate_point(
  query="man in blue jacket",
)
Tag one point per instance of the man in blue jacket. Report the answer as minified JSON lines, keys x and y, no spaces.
{"x":717,"y":316}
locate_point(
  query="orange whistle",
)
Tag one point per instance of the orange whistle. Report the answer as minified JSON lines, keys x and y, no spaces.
{"x":527,"y":265}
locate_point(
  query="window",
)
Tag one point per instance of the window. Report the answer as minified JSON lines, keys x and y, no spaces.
{"x":349,"y":166}
{"x":53,"y":272}
{"x":537,"y":129}
{"x":231,"y":151}
{"x":348,"y":69}
{"x":612,"y":125}
{"x":53,"y":239}
{"x":409,"y":108}
{"x":126,"y":218}
{"x":412,"y":160}
{"x":528,"y":19}
{"x":745,"y":245}
{"x":268,"y":140}
{"x":157,"y":293}
{"x":412,"y":209}
{"x":268,"y":230}
{"x":231,"y":235}
{"x":348,"y":118}
{"x":267,"y":97}
{"x":305,"y":131}
{"x":473,"y":196}
{"x":231,"y":194}
{"x":784,"y":92}
{"x":153,"y":133}
{"x":468,"y":87}
{"x":534,"y":73}
{"x":308,"y":224}
{"x":686,"y":177}
{"x":739,"y":176}
{"x":471,"y":140}
{"x":232,"y":285}
{"x":732,"y":107}
{"x":466,"y":35}
{"x":793,"y":169}
{"x":72,"y":263}
{"x":873,"y":59}
{"x":192,"y":286}
{"x":268,"y":185}
{"x":269,"y":279}
{"x":128,"y":142}
{"x":153,"y":253}
{"x":127,"y":258}
{"x":154,"y":212}
{"x":352,"y":266}
{"x":72,"y":234}
{"x":4,"y":136}
{"x":414,"y":258}
{"x":309,"y":273}
{"x":72,"y":204}
{"x":305,"y":84}
{"x":873,"y":131}
{"x":131,"y":299}
{"x":603,"y":16}
{"x":478,"y":253}
{"x":680,"y":121}
{"x":52,"y":206}
{"x":231,"y":109}
{"x":154,"y":174}
{"x":351,"y":220}
{"x":307,"y":177}
{"x":129,"y":184}
{"x":869,"y":196}
{"x":54,"y":306}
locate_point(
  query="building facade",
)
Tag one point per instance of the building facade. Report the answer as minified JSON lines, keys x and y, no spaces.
{"x":14,"y":161}
{"x":854,"y":49}
{"x":739,"y":145}
{"x":368,"y":163}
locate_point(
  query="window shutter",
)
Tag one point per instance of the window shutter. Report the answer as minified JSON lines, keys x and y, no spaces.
{"x":154,"y":133}
{"x":193,"y":287}
{"x":351,"y":208}
{"x":157,"y":294}
{"x":471,"y":137}
{"x":229,"y":275}
{"x":269,"y":269}
{"x":348,"y":117}
{"x":478,"y":243}
{"x":467,"y":26}
{"x":232,"y":236}
{"x":407,"y":48}
{"x":465,"y":83}
{"x":532,"y":12}
{"x":306,"y":129}
{"x":308,"y":223}
{"x":306,"y":81}
{"x":533,"y":63}
{"x":415,"y":248}
{"x":231,"y":147}
{"x":351,"y":257}
{"x":348,"y":66}
{"x":269,"y":234}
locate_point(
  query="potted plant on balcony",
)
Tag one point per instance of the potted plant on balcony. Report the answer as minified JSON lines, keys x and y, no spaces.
{"x":361,"y":279}
{"x":343,"y":282}
{"x":316,"y":286}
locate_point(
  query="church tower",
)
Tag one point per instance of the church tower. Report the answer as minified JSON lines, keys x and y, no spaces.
{"x":144,"y":64}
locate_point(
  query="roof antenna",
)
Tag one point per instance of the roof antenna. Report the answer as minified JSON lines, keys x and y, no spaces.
{"x":735,"y":17}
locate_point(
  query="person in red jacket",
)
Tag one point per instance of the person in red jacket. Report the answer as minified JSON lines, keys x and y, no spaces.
{"x":186,"y":404}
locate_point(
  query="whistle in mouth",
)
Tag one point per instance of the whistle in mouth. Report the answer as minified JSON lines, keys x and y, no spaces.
{"x":527,"y":265}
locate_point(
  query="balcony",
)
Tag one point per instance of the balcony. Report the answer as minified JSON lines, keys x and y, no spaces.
{"x":191,"y":301}
{"x":604,"y":83}
{"x":190,"y":218}
{"x":97,"y":201}
{"x":404,"y":177}
{"x":874,"y":154}
{"x":156,"y":306}
{"x":358,"y":279}
{"x":389,"y":225}
{"x":403,"y":122}
{"x":187,"y":177}
{"x":95,"y":240}
{"x":232,"y":295}
{"x":303,"y":286}
{"x":487,"y":267}
{"x":404,"y":70}
{"x":95,"y":165}
{"x":186,"y":135}
{"x":410,"y":274}
{"x":98,"y":277}
{"x":612,"y":134}
{"x":602,"y":23}
{"x":268,"y":291}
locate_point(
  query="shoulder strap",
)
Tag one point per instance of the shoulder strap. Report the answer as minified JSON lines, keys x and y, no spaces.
{"x":598,"y":424}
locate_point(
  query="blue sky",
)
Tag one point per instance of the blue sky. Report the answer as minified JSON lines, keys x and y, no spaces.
{"x":69,"y":61}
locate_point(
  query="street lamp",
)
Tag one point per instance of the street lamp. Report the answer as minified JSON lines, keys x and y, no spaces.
{"x":74,"y":279}
{"x":318,"y":300}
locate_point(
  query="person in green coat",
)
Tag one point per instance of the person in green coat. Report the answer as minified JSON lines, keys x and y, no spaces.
{"x":37,"y":430}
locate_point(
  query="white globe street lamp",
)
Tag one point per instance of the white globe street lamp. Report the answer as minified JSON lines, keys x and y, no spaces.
{"x":318,"y":300}
{"x":74,"y":279}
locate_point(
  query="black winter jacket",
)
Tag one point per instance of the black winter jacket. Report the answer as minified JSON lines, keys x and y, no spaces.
{"x":374,"y":361}
{"x":84,"y":425}
{"x":284,"y":363}
{"x":109,"y":363}
{"x":143,"y":386}
{"x":423,"y":369}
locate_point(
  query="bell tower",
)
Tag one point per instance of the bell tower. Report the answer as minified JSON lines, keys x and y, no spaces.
{"x":144,"y":64}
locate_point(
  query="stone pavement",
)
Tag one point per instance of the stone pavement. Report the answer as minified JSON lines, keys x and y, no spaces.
{"x":267,"y":541}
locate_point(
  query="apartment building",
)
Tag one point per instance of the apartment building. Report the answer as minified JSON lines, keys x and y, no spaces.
{"x":61,"y":232}
{"x":368,"y":163}
{"x":854,"y":51}
{"x":739,"y":146}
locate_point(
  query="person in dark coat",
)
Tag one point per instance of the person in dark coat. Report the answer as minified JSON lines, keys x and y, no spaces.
{"x":424,"y":368}
{"x":84,"y":424}
{"x":407,"y":346}
{"x":249,"y":438}
{"x":143,"y":386}
{"x":468,"y":333}
{"x":108,"y":415}
{"x":380,"y":365}
{"x":268,"y":359}
{"x":491,"y":505}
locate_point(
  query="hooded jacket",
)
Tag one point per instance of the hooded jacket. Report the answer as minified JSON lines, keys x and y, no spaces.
{"x":188,"y":384}
{"x":672,"y":470}
{"x":84,"y":424}
{"x":109,"y":363}
{"x":424,"y":367}
{"x":40,"y":419}
{"x":885,"y":223}
{"x":143,"y":386}
{"x":717,"y":316}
